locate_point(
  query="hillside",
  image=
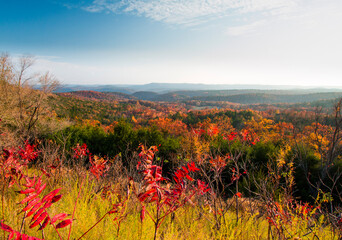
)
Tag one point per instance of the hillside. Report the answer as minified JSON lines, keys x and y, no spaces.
{"x":255,"y":98}
{"x":93,"y":95}
{"x":240,"y":96}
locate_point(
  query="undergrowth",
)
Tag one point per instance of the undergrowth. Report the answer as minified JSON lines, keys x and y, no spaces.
{"x":89,"y":206}
{"x":190,"y":223}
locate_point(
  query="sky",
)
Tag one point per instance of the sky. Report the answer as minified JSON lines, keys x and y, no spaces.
{"x":268,"y":42}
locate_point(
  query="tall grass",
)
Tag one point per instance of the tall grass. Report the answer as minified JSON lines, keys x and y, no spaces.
{"x":191,"y":222}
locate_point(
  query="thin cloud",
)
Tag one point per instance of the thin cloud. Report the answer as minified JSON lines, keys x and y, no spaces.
{"x":191,"y":12}
{"x":245,"y":29}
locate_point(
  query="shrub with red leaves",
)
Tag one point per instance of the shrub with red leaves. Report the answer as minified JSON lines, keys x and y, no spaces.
{"x":13,"y":163}
{"x":81,"y":151}
{"x":158,"y":190}
{"x":245,"y":135}
{"x":219,"y":163}
{"x":13,"y":160}
{"x":98,"y":167}
{"x":37,"y":206}
{"x":28,"y":153}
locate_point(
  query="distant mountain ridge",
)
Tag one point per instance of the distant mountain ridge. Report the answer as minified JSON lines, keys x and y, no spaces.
{"x":176,"y":87}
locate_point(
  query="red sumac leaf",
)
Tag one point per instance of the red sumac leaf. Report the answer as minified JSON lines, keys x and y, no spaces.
{"x":24,"y":237}
{"x":64,"y":223}
{"x":27,"y":191}
{"x":47,"y":205}
{"x":39,"y":183}
{"x":50,"y":195}
{"x":12,"y":235}
{"x":59,"y":217}
{"x":29,"y":182}
{"x":34,"y":209}
{"x":31,"y":204}
{"x":41,"y":188}
{"x":5,"y":227}
{"x":189,"y":178}
{"x":39,"y":219}
{"x":154,"y":198}
{"x":29,"y":198}
{"x":192,"y":167}
{"x":114,"y":210}
{"x":18,"y":235}
{"x":185,"y":169}
{"x":56,"y":198}
{"x":142,"y":197}
{"x":45,"y":223}
{"x":38,"y":213}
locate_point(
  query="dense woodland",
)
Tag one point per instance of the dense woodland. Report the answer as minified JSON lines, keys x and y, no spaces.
{"x":76,"y":163}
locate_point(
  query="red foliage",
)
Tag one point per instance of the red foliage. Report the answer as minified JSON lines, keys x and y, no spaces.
{"x":245,"y":135}
{"x":13,"y":160}
{"x":37,"y":206}
{"x":219,"y":163}
{"x":81,"y":151}
{"x":231,"y":136}
{"x":238,"y":194}
{"x":207,"y":128}
{"x":167,"y":198}
{"x":15,"y":234}
{"x":28,"y":153}
{"x":202,"y":187}
{"x":98,"y":167}
{"x":64,"y":223}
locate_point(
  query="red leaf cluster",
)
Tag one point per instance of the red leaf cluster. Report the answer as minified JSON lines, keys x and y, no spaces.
{"x":183,"y":172}
{"x":219,"y":163}
{"x":249,"y":136}
{"x":81,"y":151}
{"x":15,"y":234}
{"x":98,"y":167}
{"x":202,"y":187}
{"x":37,"y":206}
{"x":13,"y":160}
{"x":170,"y":197}
{"x":245,"y":135}
{"x":231,"y":136}
{"x":28,"y":153}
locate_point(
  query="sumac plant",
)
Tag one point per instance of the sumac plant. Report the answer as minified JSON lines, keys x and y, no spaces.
{"x":35,"y":205}
{"x":165,"y":197}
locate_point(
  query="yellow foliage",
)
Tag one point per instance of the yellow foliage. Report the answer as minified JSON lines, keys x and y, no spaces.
{"x":281,"y":159}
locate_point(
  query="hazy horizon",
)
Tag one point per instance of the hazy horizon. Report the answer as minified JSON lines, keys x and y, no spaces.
{"x":194,"y":87}
{"x":262,"y":86}
{"x":230,"y":42}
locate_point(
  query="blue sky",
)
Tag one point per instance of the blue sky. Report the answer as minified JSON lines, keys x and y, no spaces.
{"x":281,"y":42}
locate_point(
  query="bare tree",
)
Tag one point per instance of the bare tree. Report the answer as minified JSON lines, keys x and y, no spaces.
{"x":21,"y":105}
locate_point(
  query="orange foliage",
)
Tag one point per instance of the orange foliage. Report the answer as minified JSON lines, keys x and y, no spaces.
{"x":91,"y":122}
{"x":175,"y":127}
